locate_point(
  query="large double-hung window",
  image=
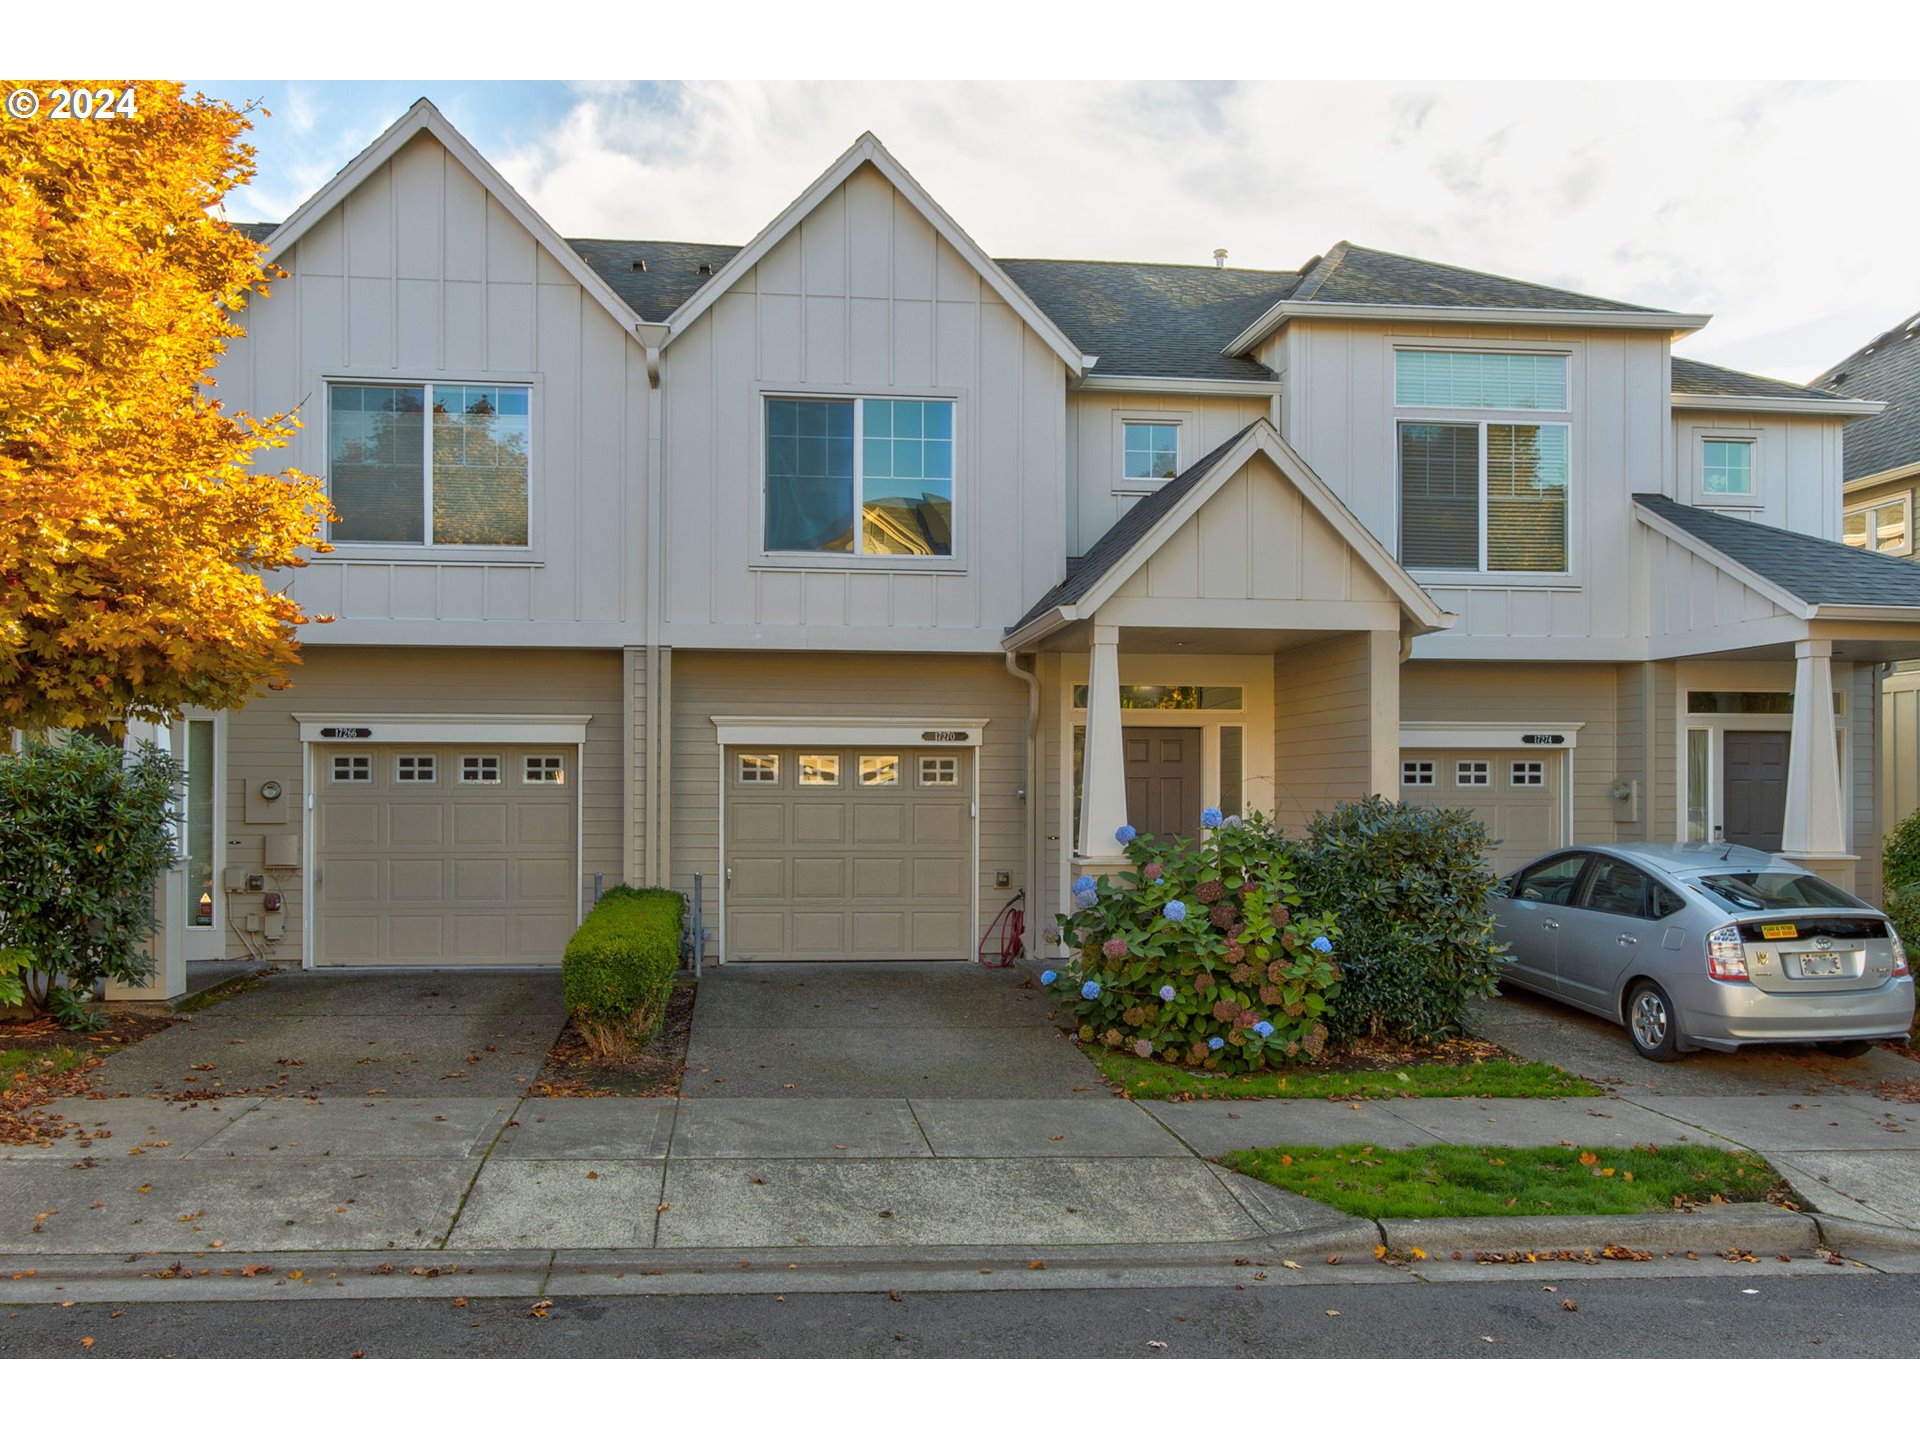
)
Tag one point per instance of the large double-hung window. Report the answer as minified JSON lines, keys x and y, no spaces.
{"x":1483,"y":484}
{"x":859,"y":476}
{"x":435,"y":464}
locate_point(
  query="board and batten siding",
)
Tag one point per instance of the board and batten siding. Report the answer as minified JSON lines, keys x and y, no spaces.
{"x":1097,"y":494}
{"x":263,"y":741}
{"x":832,"y":686}
{"x":1796,"y":468}
{"x":1340,"y":415}
{"x":420,"y":275}
{"x":1689,"y":604}
{"x":863,"y":298}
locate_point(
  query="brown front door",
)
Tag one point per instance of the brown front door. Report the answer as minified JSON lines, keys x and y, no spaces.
{"x":1754,"y":801}
{"x":1163,"y":781}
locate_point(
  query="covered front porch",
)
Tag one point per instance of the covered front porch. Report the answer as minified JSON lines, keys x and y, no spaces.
{"x":1234,"y":642}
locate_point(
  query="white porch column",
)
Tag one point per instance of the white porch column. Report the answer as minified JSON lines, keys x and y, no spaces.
{"x":1103,"y":769}
{"x":1815,"y":831}
{"x":168,"y":946}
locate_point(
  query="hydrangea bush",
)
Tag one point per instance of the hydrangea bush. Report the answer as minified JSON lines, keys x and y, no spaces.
{"x":1199,"y":955}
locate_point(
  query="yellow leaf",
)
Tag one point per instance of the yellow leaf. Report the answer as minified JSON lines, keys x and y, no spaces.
{"x":1417,"y":1252}
{"x":1587,"y":1157}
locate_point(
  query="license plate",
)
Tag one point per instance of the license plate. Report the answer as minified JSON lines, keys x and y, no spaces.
{"x":1816,"y":964}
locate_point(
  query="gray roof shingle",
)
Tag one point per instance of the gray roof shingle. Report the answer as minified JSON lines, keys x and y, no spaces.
{"x":672,"y":275}
{"x":1696,"y":377}
{"x":1887,"y":368}
{"x":1820,"y":572}
{"x":1084,"y":572}
{"x":1353,"y":275}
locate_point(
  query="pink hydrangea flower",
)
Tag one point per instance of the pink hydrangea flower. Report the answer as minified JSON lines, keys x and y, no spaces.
{"x":1115,"y":948}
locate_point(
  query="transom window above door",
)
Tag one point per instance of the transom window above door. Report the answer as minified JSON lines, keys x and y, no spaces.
{"x":1150,"y":452}
{"x":859,"y":477}
{"x":438,"y":464}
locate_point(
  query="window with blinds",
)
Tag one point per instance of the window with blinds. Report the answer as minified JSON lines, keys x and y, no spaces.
{"x":1477,"y":495}
{"x":1471,"y":380}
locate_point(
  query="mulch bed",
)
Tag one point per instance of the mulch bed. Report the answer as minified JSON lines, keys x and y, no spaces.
{"x":125,"y":1026}
{"x":656,"y":1070}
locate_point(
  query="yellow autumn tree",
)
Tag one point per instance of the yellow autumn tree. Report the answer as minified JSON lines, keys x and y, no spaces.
{"x":138,"y":538}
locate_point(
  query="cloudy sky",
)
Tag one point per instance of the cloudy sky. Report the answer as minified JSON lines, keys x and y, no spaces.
{"x":1744,"y":201}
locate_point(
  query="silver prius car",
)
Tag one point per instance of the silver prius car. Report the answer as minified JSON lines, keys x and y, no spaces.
{"x":1704,"y":947}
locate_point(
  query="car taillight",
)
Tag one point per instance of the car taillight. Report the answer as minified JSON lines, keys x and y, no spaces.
{"x":1899,"y":952}
{"x":1726,"y":956}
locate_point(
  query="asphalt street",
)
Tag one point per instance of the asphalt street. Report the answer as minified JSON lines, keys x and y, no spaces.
{"x":1746,"y":1312}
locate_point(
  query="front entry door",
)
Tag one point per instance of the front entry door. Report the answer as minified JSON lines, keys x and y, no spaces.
{"x":1754,"y":797}
{"x":1163,"y":781}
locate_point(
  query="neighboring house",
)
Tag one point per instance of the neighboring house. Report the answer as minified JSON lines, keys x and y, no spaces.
{"x":1882,"y":472}
{"x":872,"y":580}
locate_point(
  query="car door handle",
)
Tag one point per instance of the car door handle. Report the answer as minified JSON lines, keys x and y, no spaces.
{"x":1627,"y":940}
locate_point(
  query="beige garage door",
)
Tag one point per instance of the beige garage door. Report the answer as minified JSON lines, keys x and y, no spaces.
{"x":849,"y":854}
{"x":1516,"y":794}
{"x":444,"y":855}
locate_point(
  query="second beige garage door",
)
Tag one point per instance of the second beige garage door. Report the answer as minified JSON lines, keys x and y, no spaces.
{"x":844,"y":854}
{"x":1515,"y":793}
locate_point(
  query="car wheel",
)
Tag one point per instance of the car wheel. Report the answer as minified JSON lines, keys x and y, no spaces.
{"x":1651,"y":1023}
{"x":1846,"y":1049}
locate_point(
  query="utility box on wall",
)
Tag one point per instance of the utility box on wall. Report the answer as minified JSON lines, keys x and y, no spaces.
{"x":282,"y":852}
{"x":266,"y":802}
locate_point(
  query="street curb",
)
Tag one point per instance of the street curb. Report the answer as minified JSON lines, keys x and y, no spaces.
{"x":1757,"y":1227}
{"x":1842,"y":1235}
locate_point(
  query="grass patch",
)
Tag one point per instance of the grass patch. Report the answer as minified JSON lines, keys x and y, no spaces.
{"x":39,"y":1064}
{"x":1449,"y":1180}
{"x":205,"y":999}
{"x":1477,"y":1079}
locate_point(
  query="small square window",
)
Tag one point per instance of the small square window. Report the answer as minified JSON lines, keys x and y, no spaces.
{"x":939,"y":770}
{"x":1150,"y":452}
{"x":480,"y":769}
{"x":414,"y":769}
{"x":1416,"y":772}
{"x":353,"y":769}
{"x":1726,"y":468}
{"x":545,"y":770}
{"x":879,"y":769}
{"x":759,"y":769}
{"x":1528,"y":773}
{"x":1472,"y":772}
{"x":819,"y":769}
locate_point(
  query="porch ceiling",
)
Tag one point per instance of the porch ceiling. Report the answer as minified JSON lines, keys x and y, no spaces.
{"x":1168,"y":640}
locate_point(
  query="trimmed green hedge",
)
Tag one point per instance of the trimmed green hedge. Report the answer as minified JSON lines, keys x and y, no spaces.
{"x":619,"y":966}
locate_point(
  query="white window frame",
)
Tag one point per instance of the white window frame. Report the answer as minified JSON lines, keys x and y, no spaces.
{"x":361,"y":763}
{"x":473,"y":769}
{"x":1182,"y":423}
{"x":403,"y":763}
{"x":543,"y":770}
{"x":1527,"y":774}
{"x":1445,"y":415}
{"x":1705,"y":435}
{"x":825,"y":763}
{"x":862,"y":769}
{"x":1418,"y":775}
{"x":427,"y":546}
{"x":859,"y":559}
{"x":949,"y":780}
{"x":1472,"y":774}
{"x":756,"y":768}
{"x":1903,"y":502}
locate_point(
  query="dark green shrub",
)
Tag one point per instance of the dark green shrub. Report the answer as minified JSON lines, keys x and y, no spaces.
{"x":83,"y":838}
{"x":1410,"y":889}
{"x":618,"y":969}
{"x":1900,"y":877}
{"x":1199,"y":955}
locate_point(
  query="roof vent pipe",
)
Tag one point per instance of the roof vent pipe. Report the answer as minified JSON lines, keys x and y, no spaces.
{"x":1219,"y":259}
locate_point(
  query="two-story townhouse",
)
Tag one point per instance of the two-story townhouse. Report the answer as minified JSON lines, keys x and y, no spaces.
{"x":875,"y":582}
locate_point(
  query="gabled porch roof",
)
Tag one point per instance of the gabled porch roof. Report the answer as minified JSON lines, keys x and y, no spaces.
{"x":1119,"y":555}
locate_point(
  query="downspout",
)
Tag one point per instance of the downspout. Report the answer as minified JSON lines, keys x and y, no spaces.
{"x":1033,"y":786}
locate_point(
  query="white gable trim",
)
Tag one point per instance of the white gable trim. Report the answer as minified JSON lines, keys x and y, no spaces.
{"x":1720,"y":560}
{"x":1285,"y":310}
{"x":1776,"y":404}
{"x":867,"y":150}
{"x":423,"y":116}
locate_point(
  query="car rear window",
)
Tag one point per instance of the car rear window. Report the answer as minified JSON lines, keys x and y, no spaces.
{"x":1778,"y":890}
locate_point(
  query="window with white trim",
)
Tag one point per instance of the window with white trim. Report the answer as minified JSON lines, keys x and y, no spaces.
{"x":353,"y":769}
{"x":859,"y":476}
{"x":1726,"y":469}
{"x":1149,"y":453}
{"x":1416,"y":773}
{"x":879,"y":769}
{"x":939,"y":771}
{"x":429,"y":464}
{"x":759,"y":769}
{"x":1472,"y":773}
{"x":1525,"y":774}
{"x":544,"y":770}
{"x":414,"y":769}
{"x":819,"y":769}
{"x":1886,"y":526}
{"x":1488,"y":495}
{"x":480,"y":769}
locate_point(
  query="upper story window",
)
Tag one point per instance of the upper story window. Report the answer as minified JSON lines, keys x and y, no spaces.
{"x":1726,"y":469}
{"x":431,"y":464}
{"x":1150,"y":453}
{"x":860,"y":477}
{"x":1485,"y":495}
{"x":1886,"y":526}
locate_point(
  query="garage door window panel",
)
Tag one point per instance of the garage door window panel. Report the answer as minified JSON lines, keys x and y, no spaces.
{"x":759,"y":770}
{"x":414,"y":770}
{"x":545,"y":770}
{"x":480,"y":769}
{"x":353,"y":769}
{"x":819,"y":770}
{"x":939,"y":771}
{"x":879,"y":770}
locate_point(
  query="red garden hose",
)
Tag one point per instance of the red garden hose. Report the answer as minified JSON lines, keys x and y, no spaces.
{"x":1012,"y":925}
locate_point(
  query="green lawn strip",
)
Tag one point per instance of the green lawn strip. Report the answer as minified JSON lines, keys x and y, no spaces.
{"x":1482,"y":1079}
{"x":1448,"y":1180}
{"x":37,"y":1064}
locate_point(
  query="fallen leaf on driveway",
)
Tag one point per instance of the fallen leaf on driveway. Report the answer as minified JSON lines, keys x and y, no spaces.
{"x":1333,"y":1312}
{"x":1291,"y":1264}
{"x":86,"y":1342}
{"x":541,"y":1309}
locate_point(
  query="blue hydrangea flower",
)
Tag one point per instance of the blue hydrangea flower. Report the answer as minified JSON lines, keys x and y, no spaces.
{"x":1090,"y":990}
{"x":1232,"y":822}
{"x":1085,"y":882}
{"x":1216,"y":1043}
{"x":1084,"y":899}
{"x":1322,"y":944}
{"x":1263,"y":1029}
{"x":1047,"y":977}
{"x":1211,"y":816}
{"x":1166,"y":992}
{"x":1174,"y":910}
{"x":1126,"y":834}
